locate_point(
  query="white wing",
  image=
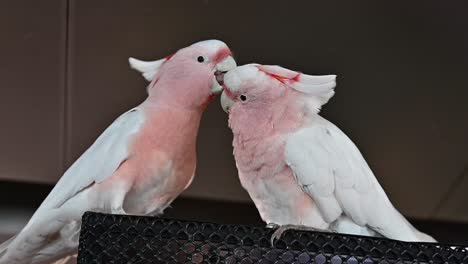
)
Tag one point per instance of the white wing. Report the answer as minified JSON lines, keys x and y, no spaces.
{"x":99,"y":161}
{"x":330,"y":168}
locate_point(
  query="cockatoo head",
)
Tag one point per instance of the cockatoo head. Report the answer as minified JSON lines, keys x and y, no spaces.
{"x":191,"y":76}
{"x":257,"y":87}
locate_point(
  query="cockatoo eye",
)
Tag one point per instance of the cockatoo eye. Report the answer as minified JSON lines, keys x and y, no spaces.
{"x":200,"y":59}
{"x":243,"y":97}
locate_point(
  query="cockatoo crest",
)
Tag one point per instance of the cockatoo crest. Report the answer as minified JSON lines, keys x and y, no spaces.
{"x":148,"y":69}
{"x":320,"y":87}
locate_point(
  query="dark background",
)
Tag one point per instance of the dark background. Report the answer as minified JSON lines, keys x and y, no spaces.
{"x":401,"y":96}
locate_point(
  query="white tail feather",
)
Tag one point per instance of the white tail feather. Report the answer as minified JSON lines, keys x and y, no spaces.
{"x":64,"y":260}
{"x":4,"y":245}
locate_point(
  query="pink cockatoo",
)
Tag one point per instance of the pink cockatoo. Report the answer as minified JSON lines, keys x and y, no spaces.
{"x":299,"y":168}
{"x":139,"y":164}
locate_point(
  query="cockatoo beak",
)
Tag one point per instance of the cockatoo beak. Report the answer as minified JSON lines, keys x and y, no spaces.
{"x":226,"y":102}
{"x":220,"y":69}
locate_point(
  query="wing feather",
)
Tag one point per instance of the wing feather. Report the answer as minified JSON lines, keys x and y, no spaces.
{"x":99,"y":161}
{"x":331,"y":169}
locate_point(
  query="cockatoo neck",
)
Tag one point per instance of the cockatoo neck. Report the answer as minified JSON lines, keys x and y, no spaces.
{"x":162,"y":103}
{"x":265,"y":120}
{"x":172,"y":113}
{"x":180,"y":95}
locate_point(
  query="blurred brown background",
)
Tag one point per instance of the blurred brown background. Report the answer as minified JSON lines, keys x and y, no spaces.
{"x":402,"y":90}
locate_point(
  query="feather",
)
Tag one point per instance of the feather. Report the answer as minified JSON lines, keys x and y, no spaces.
{"x":5,"y":244}
{"x":320,"y":86}
{"x":334,"y":173}
{"x":64,"y":260}
{"x":96,"y":164}
{"x":148,"y":69}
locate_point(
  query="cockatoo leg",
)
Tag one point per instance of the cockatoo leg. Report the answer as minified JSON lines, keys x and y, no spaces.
{"x":116,"y":198}
{"x":117,"y":203}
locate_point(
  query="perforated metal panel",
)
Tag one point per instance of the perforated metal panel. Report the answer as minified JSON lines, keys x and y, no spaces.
{"x":131,"y":239}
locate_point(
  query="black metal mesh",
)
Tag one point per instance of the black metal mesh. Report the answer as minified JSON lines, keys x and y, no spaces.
{"x":133,"y":239}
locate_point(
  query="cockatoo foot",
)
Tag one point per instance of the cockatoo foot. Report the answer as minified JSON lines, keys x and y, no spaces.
{"x":118,"y":210}
{"x":281,"y":229}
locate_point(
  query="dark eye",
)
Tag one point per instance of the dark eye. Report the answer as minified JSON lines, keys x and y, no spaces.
{"x":200,"y":59}
{"x":243,"y":97}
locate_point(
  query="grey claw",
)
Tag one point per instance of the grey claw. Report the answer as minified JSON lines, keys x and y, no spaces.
{"x":281,"y":229}
{"x":272,"y":226}
{"x":277,"y":234}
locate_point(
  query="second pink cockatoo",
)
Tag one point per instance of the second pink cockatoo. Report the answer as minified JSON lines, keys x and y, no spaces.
{"x":299,"y":168}
{"x":139,"y":164}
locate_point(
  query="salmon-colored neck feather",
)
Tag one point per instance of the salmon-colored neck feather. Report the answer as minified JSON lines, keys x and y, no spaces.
{"x":264,"y":120}
{"x":181,"y":93}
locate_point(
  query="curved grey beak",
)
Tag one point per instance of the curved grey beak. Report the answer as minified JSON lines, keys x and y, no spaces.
{"x":220,"y":77}
{"x":226,"y":102}
{"x":220,"y":69}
